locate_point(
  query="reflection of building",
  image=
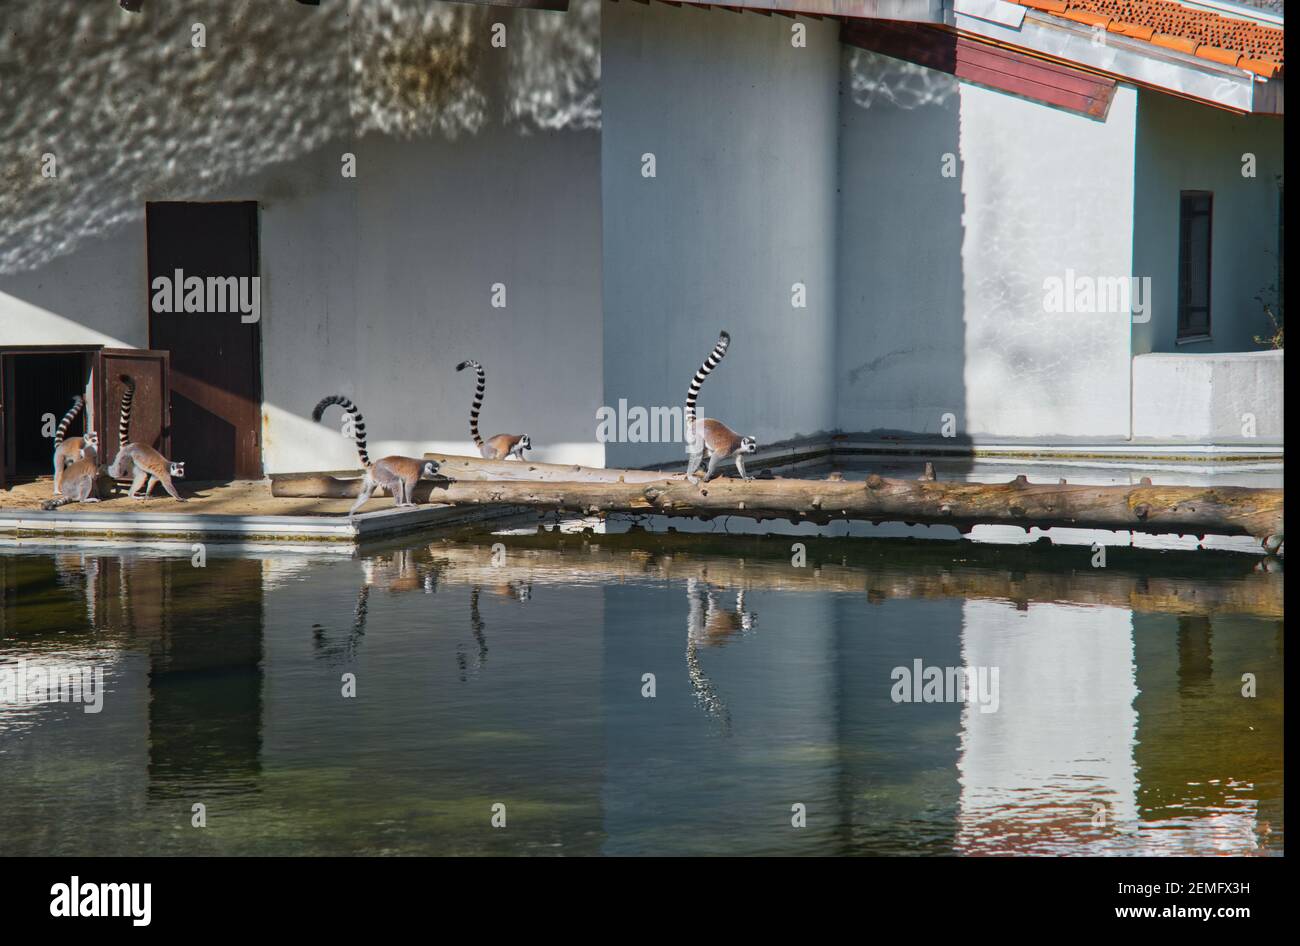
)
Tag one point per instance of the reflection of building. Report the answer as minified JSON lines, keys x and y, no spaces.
{"x":1054,"y":765}
{"x":181,"y":647}
{"x":883,"y":180}
{"x":1119,"y":732}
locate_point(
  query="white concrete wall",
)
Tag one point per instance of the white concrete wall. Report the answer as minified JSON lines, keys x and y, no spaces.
{"x":1211,"y":398}
{"x":743,"y":127}
{"x":1183,"y":146}
{"x":942,"y":279}
{"x":375,"y":286}
{"x":381,"y":292}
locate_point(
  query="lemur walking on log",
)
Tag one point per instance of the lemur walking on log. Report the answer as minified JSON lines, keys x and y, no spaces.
{"x":396,"y":474}
{"x":709,"y":435}
{"x":499,"y":446}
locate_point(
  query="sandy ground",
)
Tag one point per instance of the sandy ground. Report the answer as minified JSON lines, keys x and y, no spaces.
{"x":242,"y":497}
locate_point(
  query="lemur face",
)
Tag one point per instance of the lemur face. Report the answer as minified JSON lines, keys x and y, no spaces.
{"x":525,"y":443}
{"x":748,"y":444}
{"x":430,"y":468}
{"x":91,"y":440}
{"x":177,"y":469}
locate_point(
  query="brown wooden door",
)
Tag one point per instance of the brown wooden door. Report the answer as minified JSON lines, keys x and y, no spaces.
{"x":150,"y":413}
{"x":216,"y":357}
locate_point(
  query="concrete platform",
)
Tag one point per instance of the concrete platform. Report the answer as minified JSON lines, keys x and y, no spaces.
{"x":240,"y":510}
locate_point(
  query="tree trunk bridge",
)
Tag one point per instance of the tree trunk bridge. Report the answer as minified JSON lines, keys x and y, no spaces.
{"x":1182,"y":510}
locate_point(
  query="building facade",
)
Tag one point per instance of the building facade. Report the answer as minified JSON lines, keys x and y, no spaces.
{"x":912,"y":229}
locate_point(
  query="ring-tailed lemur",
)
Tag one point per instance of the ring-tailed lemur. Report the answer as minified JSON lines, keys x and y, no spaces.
{"x":396,"y":474}
{"x":500,"y":446}
{"x":69,"y":451}
{"x":80,"y":481}
{"x":124,"y":416}
{"x":139,"y":462}
{"x":707,"y":434}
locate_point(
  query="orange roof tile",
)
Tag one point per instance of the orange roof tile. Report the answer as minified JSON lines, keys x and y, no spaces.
{"x":1131,"y":29}
{"x":1204,"y":33}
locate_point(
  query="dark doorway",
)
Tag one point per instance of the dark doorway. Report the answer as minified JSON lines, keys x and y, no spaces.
{"x":37,"y":385}
{"x":216,"y":356}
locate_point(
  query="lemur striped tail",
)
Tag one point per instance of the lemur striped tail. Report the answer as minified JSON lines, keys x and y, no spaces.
{"x":68,"y":418}
{"x":358,"y":422}
{"x":478,"y":399}
{"x":715,"y":356}
{"x":56,"y":503}
{"x":124,"y":419}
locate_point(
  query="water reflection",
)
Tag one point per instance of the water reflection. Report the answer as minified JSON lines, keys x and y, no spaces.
{"x":710,"y":625}
{"x":517,"y":676}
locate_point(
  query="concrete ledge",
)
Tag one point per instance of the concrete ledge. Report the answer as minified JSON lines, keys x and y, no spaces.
{"x":1210,"y":398}
{"x":19,"y":523}
{"x":1163,"y":450}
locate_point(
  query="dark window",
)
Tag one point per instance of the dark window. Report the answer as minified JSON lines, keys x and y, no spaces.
{"x":1281,"y":251}
{"x":1195,"y":216}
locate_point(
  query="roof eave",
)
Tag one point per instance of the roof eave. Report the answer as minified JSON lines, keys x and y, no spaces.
{"x":1116,"y":55}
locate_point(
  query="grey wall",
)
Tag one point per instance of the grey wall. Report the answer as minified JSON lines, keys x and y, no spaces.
{"x":1183,"y":146}
{"x":901,"y":346}
{"x":743,"y":128}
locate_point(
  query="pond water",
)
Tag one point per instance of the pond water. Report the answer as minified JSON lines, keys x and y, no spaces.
{"x":642,"y":694}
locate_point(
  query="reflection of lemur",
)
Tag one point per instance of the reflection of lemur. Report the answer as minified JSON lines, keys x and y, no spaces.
{"x":139,"y":462}
{"x":402,"y":571}
{"x":348,"y":649}
{"x":500,"y":446}
{"x":715,"y":626}
{"x":80,"y":481}
{"x":477,"y":625}
{"x":707,"y":626}
{"x":710,"y":435}
{"x":69,"y":451}
{"x":396,"y":474}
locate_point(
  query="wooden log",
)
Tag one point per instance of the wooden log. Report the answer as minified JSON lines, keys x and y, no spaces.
{"x":344,"y":485}
{"x":1183,"y":510}
{"x":476,"y":468}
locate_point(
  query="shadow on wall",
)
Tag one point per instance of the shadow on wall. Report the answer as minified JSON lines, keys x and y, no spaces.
{"x":144,"y":119}
{"x":900,"y":329}
{"x":481,"y":137}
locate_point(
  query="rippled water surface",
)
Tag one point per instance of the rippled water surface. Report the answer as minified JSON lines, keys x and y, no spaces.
{"x":644,"y":695}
